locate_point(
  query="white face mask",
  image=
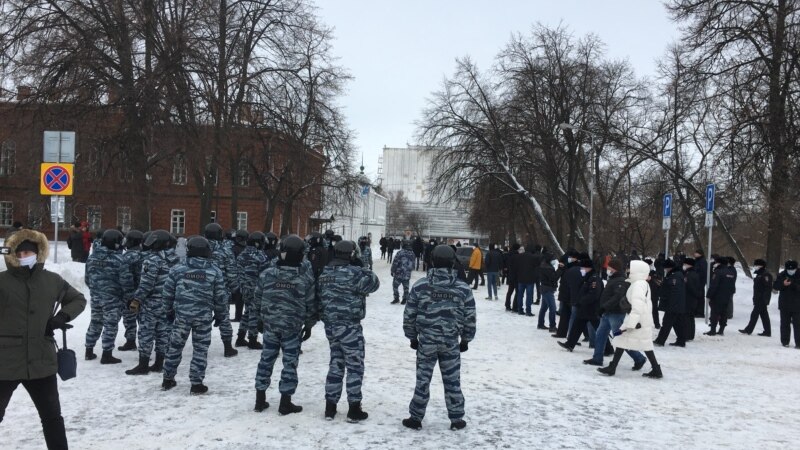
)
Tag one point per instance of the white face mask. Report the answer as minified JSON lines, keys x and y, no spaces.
{"x":28,"y":261}
{"x":570,"y":260}
{"x":584,"y":272}
{"x":611,"y":272}
{"x":791,"y":272}
{"x":756,"y":268}
{"x":686,"y":268}
{"x":554,"y":263}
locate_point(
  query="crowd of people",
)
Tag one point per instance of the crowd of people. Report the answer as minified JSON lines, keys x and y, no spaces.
{"x":282,"y":288}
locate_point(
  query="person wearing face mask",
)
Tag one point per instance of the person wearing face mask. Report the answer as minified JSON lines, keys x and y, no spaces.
{"x":673,"y":297}
{"x":788,"y":284}
{"x":762,"y":294}
{"x":694,"y":295}
{"x":720,"y":295}
{"x":28,"y":297}
{"x":587,"y":304}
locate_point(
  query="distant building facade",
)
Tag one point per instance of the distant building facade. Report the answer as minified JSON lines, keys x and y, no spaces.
{"x":365,"y":216}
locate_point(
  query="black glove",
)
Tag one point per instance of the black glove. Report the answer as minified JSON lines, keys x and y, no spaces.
{"x":414,"y":344}
{"x":57,"y":322}
{"x":260,"y":326}
{"x":171,"y":316}
{"x":464,"y":346}
{"x":306,"y":333}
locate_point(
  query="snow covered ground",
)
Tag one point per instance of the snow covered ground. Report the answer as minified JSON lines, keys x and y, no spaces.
{"x":522,"y":391}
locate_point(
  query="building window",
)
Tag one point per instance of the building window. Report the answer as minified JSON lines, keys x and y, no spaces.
{"x":178,"y":222}
{"x":179,"y":171}
{"x":244,"y":174}
{"x":94,"y":216}
{"x":213,"y":216}
{"x":213,"y":171}
{"x":124,"y":218}
{"x":241,"y":220}
{"x":6,"y":214}
{"x":8,"y":153}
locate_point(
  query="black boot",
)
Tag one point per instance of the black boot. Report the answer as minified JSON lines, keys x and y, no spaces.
{"x":611,"y":369}
{"x":412,"y":423}
{"x":287,"y":407}
{"x":198,"y":389}
{"x":403,"y":302}
{"x":458,"y":424}
{"x":745,"y":332}
{"x":566,"y":346}
{"x":721,"y":331}
{"x":330,"y":410}
{"x":240,"y":340}
{"x":158,"y":365}
{"x":168,"y":384}
{"x":129,"y":345}
{"x":261,"y":401}
{"x":229,"y":350}
{"x":253,"y":343}
{"x":108,"y":358}
{"x":141,"y":369}
{"x":355,"y":414}
{"x":395,"y":301}
{"x":90,"y":354}
{"x":654,"y":373}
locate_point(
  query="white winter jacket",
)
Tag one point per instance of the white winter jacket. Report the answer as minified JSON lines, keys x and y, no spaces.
{"x":641,"y":312}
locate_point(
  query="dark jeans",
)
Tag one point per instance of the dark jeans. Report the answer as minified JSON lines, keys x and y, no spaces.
{"x":564,"y":318}
{"x":527,"y":290}
{"x":672,"y":320}
{"x":473,"y":277}
{"x":609,"y":323}
{"x":548,"y":305}
{"x":44,"y":393}
{"x":790,"y":320}
{"x":511,"y":293}
{"x":759,"y":310}
{"x":579,"y":327}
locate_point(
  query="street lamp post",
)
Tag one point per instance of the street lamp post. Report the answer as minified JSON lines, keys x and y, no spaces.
{"x":566,"y":126}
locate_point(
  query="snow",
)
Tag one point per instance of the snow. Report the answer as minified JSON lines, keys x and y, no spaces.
{"x":522,"y":391}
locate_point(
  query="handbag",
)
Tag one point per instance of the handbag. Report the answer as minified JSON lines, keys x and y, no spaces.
{"x":67,"y":361}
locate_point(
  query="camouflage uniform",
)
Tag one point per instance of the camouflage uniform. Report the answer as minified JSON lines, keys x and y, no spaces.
{"x":222,"y":256}
{"x":153,"y":324}
{"x":195,"y":290}
{"x":440,"y":310}
{"x":366,"y":257}
{"x":342,"y":292}
{"x":107,"y":281}
{"x":285,"y":301}
{"x":132,"y":264}
{"x":252,"y":261}
{"x":402,"y":265}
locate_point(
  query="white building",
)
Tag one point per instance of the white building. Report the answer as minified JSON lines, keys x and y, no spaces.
{"x":408,"y":170}
{"x":366,"y":216}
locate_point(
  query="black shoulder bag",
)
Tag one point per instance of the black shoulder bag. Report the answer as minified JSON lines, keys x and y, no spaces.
{"x":67,"y":362}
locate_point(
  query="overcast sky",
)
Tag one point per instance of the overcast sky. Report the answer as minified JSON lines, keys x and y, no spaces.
{"x":399,"y":51}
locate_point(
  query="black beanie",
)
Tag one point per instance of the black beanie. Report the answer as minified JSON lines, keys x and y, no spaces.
{"x":27,"y":246}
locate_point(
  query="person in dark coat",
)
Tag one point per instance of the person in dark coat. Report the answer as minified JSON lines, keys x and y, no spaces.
{"x":527,"y":270}
{"x":568,"y":261}
{"x":694,"y":295}
{"x":549,"y":283}
{"x":701,"y":269}
{"x":418,"y":247}
{"x":384,"y":243}
{"x":75,"y":243}
{"x":720,"y":295}
{"x":788,"y":285}
{"x":28,"y":296}
{"x":493,"y":262}
{"x":673,"y":297}
{"x":588,"y":303}
{"x":762,"y":294}
{"x":655,"y":287}
{"x":458,"y":268}
{"x":511,"y":268}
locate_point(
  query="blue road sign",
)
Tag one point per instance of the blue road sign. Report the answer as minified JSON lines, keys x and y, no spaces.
{"x":667,"y":205}
{"x":711,"y":189}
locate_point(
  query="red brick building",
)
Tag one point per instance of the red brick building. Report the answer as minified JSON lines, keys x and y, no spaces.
{"x":106,"y":193}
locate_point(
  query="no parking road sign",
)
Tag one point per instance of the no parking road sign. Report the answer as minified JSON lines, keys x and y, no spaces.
{"x":56,"y":179}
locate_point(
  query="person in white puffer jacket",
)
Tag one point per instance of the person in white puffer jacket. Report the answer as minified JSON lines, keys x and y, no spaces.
{"x":636,"y":332}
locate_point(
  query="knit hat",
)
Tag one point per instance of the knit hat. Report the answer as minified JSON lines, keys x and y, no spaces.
{"x":616,"y":264}
{"x":27,"y":246}
{"x":688,"y":261}
{"x":790,"y":265}
{"x":669,"y":264}
{"x":760,"y":262}
{"x":587,"y":263}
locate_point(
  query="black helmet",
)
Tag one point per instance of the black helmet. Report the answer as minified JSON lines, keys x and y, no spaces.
{"x":133,"y":239}
{"x":99,"y":234}
{"x":257,"y":240}
{"x":337,"y":238}
{"x":344,"y":250}
{"x":144,"y":240}
{"x":292,"y":250}
{"x":112,"y":239}
{"x":314,"y":239}
{"x":230,"y":234}
{"x":329,"y":234}
{"x":272,"y":240}
{"x":406,"y":244}
{"x":443,"y":256}
{"x":213,"y":232}
{"x":158,"y":240}
{"x":173,"y":241}
{"x":240,"y":237}
{"x":198,"y":246}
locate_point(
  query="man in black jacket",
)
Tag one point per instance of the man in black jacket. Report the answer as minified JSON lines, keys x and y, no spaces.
{"x":700,"y":268}
{"x":588,"y":299}
{"x":720,"y":294}
{"x":673,"y":297}
{"x":788,"y":284}
{"x":694,"y":295}
{"x":493,"y":261}
{"x":549,"y":284}
{"x":762,"y":294}
{"x":569,"y":261}
{"x":527,"y":271}
{"x":511,"y":266}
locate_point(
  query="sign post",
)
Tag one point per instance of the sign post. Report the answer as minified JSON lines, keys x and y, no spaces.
{"x":667,"y":222}
{"x":711,"y":190}
{"x":56,"y":177}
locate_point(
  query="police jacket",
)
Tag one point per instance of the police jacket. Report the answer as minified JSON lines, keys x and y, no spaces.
{"x":440,"y":309}
{"x":589,"y":296}
{"x":106,"y":274}
{"x":762,"y":287}
{"x":789,"y":297}
{"x":251,"y":261}
{"x":195,"y":290}
{"x":284,"y":298}
{"x":722,"y":287}
{"x":673,"y":292}
{"x":694,"y":290}
{"x":342,"y":289}
{"x":573,"y":279}
{"x":155,"y":269}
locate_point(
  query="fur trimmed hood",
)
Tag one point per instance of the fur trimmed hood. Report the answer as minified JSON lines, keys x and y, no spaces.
{"x":26,"y":235}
